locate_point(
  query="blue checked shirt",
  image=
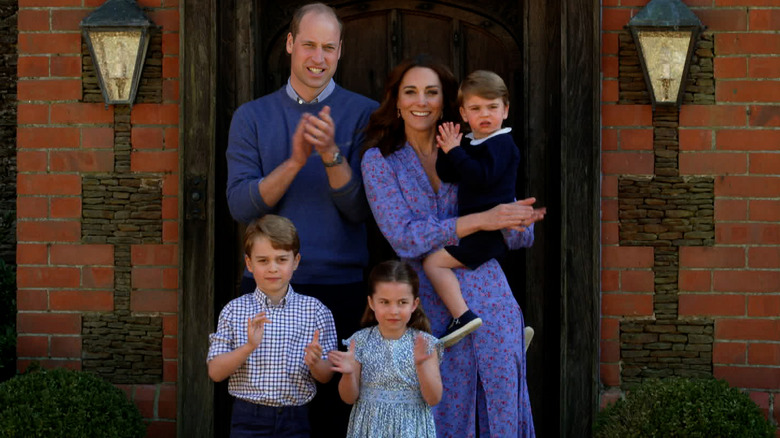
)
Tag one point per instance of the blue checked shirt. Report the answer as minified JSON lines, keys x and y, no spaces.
{"x":274,"y":374}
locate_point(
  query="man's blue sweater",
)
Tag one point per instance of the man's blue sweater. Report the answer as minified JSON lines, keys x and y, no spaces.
{"x":330,"y":222}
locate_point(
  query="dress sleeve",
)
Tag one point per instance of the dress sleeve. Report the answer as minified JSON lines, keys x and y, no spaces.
{"x":519,"y":239}
{"x":360,"y":340}
{"x":412,"y":234}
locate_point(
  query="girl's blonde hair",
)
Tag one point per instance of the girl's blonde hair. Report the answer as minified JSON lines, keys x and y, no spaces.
{"x":394,"y":271}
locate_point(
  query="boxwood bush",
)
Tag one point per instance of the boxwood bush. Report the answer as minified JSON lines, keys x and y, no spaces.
{"x":678,"y":407}
{"x":7,"y":321}
{"x":65,"y":403}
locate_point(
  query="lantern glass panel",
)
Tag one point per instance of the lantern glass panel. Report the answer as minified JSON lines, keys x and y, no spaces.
{"x":664,"y":54}
{"x":116,"y":53}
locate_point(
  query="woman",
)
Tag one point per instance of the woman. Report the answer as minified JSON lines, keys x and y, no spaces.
{"x":417,"y":213}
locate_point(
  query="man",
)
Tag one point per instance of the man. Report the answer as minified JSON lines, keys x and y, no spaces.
{"x":296,"y":153}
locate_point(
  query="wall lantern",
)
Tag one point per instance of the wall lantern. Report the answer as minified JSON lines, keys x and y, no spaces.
{"x":665,"y":32}
{"x":117,"y":35}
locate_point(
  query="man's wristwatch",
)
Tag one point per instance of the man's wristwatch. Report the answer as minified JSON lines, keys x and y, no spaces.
{"x":337,"y":159}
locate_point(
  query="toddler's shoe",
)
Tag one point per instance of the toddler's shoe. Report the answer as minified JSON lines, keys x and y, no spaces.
{"x":460,"y":327}
{"x":529,"y":334}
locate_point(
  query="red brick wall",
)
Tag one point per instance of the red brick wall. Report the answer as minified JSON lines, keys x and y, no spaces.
{"x":59,"y":140}
{"x":736,"y":282}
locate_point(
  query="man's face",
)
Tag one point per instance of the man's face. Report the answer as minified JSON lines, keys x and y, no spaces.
{"x":314,"y":54}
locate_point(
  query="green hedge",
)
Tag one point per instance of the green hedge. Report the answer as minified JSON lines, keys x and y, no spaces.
{"x":7,"y":321}
{"x":679,"y":407}
{"x":65,"y":403}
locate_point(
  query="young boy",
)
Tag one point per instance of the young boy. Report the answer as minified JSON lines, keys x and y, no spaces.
{"x":485,"y":166}
{"x":272,"y":343}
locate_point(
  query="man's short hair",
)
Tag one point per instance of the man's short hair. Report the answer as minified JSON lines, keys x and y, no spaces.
{"x":484,"y":84}
{"x":317,"y":8}
{"x":277,"y":229}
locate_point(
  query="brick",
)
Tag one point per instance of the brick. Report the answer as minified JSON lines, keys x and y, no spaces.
{"x":67,"y":19}
{"x":765,"y":115}
{"x":610,"y":280}
{"x":609,"y":396}
{"x":32,"y":20}
{"x":711,"y":305}
{"x":170,"y":91}
{"x":60,"y":231}
{"x":79,"y":113}
{"x":627,"y":257}
{"x":746,"y":281}
{"x":766,"y":164}
{"x":168,"y":19}
{"x":41,"y":138}
{"x":170,"y":324}
{"x":171,"y":138}
{"x":610,"y":374}
{"x":166,"y":403}
{"x":31,"y":207}
{"x":66,"y":66}
{"x":752,"y":233}
{"x":712,"y":257}
{"x":97,"y":278}
{"x":32,"y":299}
{"x":748,"y":329}
{"x":764,"y":257}
{"x":749,"y":377}
{"x":703,"y":163}
{"x":169,"y":348}
{"x":615,"y":19}
{"x":609,"y":139}
{"x":636,"y":139}
{"x":32,"y":254}
{"x":47,"y":276}
{"x":154,"y":161}
{"x":32,"y":114}
{"x":626,"y":304}
{"x":22,"y":365}
{"x":146,"y":138}
{"x":171,"y":278}
{"x":48,"y":3}
{"x":695,"y":281}
{"x":170,"y":67}
{"x":609,"y":43}
{"x":764,"y":68}
{"x":609,"y":210}
{"x":747,"y":91}
{"x":31,"y":161}
{"x":170,"y":232}
{"x":637,"y":281}
{"x":154,"y":301}
{"x":88,"y":301}
{"x":48,"y":184}
{"x":98,"y":138}
{"x":66,"y":208}
{"x":155,"y":114}
{"x":752,"y":3}
{"x":154,"y":255}
{"x":49,"y":323}
{"x":626,"y":115}
{"x":746,"y":43}
{"x":170,"y":44}
{"x":170,"y":374}
{"x":610,"y":233}
{"x":723,"y":19}
{"x":609,"y":186}
{"x":729,"y":353}
{"x":32,"y":66}
{"x":160,"y":429}
{"x":747,"y":186}
{"x":143,"y":397}
{"x":32,"y":346}
{"x":730,"y":210}
{"x":631,"y":163}
{"x":695,"y":140}
{"x":764,"y":306}
{"x":82,"y":161}
{"x":764,"y":354}
{"x":83,"y":254}
{"x":712,"y":115}
{"x":747,"y":139}
{"x":54,"y":43}
{"x":170,"y":185}
{"x":765,"y":19}
{"x":170,"y":208}
{"x":66,"y":346}
{"x":610,"y":328}
{"x":147,"y":278}
{"x":731,"y":67}
{"x":49,"y":90}
{"x":762,"y":400}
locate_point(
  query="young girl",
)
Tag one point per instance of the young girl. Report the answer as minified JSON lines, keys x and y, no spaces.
{"x":391,"y":371}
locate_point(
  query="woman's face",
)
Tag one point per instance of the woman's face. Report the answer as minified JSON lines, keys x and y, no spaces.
{"x":420,"y":99}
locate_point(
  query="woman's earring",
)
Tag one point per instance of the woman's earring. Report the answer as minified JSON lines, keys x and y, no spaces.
{"x":399,"y":112}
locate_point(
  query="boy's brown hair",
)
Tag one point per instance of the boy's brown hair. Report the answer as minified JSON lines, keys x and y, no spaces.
{"x":279,"y":230}
{"x":484,"y":84}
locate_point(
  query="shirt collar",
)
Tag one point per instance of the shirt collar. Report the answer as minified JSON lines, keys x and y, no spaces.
{"x":474,"y":142}
{"x":320,"y":97}
{"x":263,"y":299}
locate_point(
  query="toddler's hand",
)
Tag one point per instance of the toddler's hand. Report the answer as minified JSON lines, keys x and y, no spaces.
{"x":313,"y":351}
{"x":421,"y":350}
{"x":449,"y":136}
{"x":344,"y":361}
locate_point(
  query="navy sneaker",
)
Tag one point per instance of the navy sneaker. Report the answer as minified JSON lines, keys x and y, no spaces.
{"x":460,"y":327}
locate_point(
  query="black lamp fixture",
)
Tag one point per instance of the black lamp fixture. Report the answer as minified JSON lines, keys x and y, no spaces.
{"x":665,"y":33}
{"x":117,"y":35}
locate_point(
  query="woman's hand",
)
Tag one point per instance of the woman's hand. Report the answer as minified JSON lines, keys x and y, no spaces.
{"x":517,"y":215}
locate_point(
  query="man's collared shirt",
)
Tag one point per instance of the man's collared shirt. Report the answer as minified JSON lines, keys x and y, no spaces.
{"x":320,"y":97}
{"x":274,"y":374}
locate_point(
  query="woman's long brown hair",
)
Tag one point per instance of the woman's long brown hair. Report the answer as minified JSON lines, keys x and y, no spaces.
{"x":394,"y":271}
{"x":385,"y":129}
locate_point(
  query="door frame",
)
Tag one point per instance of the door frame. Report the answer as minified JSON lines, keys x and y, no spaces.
{"x":561,"y":82}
